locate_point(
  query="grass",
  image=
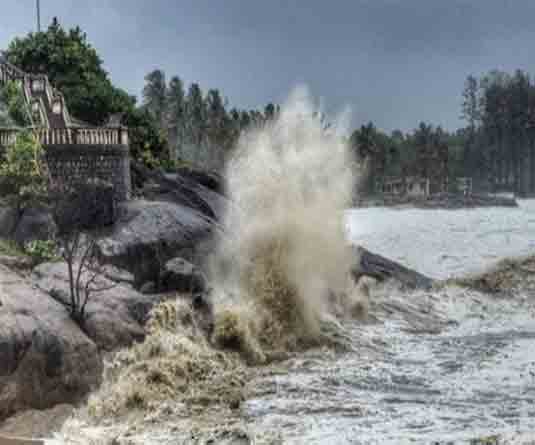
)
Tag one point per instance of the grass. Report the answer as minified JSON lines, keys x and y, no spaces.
{"x":10,"y":248}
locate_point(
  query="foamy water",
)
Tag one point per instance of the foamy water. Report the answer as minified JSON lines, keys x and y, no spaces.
{"x":425,"y":367}
{"x":444,"y":243}
{"x":442,"y":367}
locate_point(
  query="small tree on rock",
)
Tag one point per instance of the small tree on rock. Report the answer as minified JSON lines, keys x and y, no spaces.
{"x":75,"y":210}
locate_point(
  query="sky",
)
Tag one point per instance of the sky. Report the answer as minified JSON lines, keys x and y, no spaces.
{"x":394,"y":62}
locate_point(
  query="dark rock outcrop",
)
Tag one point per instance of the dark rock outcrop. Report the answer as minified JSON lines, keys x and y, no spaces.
{"x":382,"y":269}
{"x":9,"y":217}
{"x":182,"y":276}
{"x":449,"y":201}
{"x":35,"y":223}
{"x":148,"y":234}
{"x":45,"y":359}
{"x":177,"y":217}
{"x":210,"y":180}
{"x":181,"y":189}
{"x":116,"y":315}
{"x":458,"y":201}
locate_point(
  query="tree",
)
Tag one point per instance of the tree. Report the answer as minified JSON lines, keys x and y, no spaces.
{"x":22,"y":170}
{"x":16,"y":110}
{"x":471,"y":114}
{"x":195,"y":119}
{"x":155,"y":97}
{"x":74,"y":67}
{"x":176,"y":113}
{"x":73,"y":208}
{"x":147,"y":144}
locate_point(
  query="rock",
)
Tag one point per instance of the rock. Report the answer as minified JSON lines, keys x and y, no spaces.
{"x":150,"y":233}
{"x":148,"y":288}
{"x":458,"y":201}
{"x":449,"y":201}
{"x":182,"y":276}
{"x":16,"y":262}
{"x":182,"y":189}
{"x":87,"y":205}
{"x":9,"y":218}
{"x":118,"y":275}
{"x":116,"y":315}
{"x":210,"y":180}
{"x":35,"y":223}
{"x":382,"y":269}
{"x":45,"y":359}
{"x":37,"y":423}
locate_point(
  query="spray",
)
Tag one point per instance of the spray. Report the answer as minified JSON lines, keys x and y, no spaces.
{"x":285,"y":254}
{"x":279,"y":275}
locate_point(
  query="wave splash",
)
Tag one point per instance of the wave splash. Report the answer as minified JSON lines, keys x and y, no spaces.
{"x":281,"y":278}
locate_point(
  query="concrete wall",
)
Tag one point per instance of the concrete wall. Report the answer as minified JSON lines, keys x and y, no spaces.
{"x":75,"y":163}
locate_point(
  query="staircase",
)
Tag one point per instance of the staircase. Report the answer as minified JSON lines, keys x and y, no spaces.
{"x":49,"y":116}
{"x":46,"y":105}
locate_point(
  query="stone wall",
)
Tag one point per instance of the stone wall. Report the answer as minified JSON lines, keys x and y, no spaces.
{"x":77,"y":163}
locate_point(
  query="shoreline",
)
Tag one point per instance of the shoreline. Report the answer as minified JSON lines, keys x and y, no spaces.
{"x":443,"y":201}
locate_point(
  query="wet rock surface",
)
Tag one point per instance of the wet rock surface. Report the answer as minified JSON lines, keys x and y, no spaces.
{"x":150,"y":233}
{"x":34,"y":224}
{"x":116,"y":315}
{"x":45,"y":358}
{"x":37,"y":423}
{"x":182,"y":276}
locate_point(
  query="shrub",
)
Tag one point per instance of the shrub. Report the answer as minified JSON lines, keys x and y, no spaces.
{"x":11,"y":94}
{"x":41,"y":251}
{"x":22,"y":169}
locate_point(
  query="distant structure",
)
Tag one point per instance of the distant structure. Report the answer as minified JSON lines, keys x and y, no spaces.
{"x":75,"y":151}
{"x":408,"y":186}
{"x":464,"y":185}
{"x":419,"y":187}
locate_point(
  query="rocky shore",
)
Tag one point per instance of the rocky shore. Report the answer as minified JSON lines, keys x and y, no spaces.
{"x":448,"y":201}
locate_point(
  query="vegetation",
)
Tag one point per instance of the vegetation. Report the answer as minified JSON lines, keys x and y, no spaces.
{"x":10,"y":248}
{"x":41,"y":251}
{"x":178,"y":124}
{"x":426,"y":152}
{"x":200,"y":128}
{"x":22,"y":169}
{"x":72,"y":208}
{"x":74,"y":67}
{"x":499,"y":138}
{"x":13,"y":110}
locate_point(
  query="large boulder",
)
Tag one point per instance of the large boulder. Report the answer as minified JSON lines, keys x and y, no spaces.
{"x":9,"y":218}
{"x":196,"y":190}
{"x":209,"y":179}
{"x":148,"y":234}
{"x":35,"y":223}
{"x":45,"y":359}
{"x":116,"y":315}
{"x":382,"y":269}
{"x":182,"y":276}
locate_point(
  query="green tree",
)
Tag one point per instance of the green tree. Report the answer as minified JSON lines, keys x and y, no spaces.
{"x":176,"y":114}
{"x":155,"y":97}
{"x":195,"y":114}
{"x":471,"y":114}
{"x":147,"y":144}
{"x":74,"y":67}
{"x":15,"y":109}
{"x":22,"y":169}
